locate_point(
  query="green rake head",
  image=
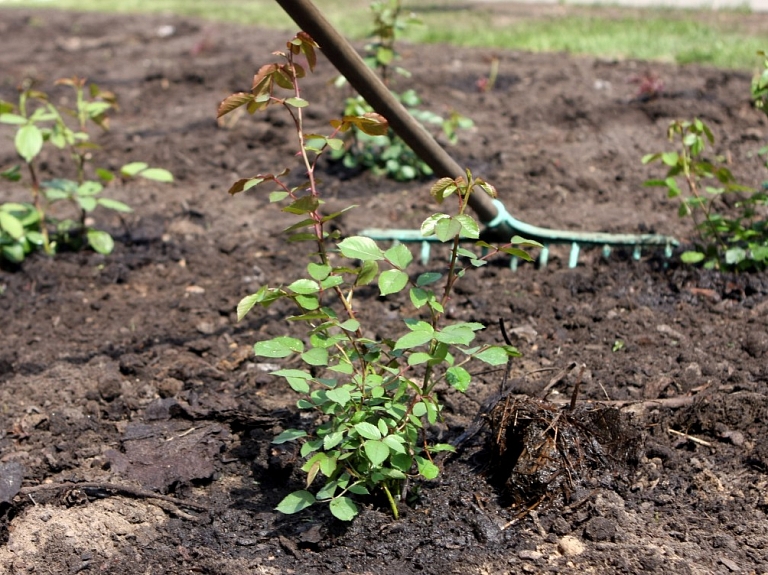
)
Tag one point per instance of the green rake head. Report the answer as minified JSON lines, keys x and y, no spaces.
{"x":512,"y":226}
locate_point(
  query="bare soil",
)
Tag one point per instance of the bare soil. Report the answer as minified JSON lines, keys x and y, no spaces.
{"x":127,"y":376}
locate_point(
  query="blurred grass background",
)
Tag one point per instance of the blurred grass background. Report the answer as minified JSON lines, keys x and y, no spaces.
{"x":727,"y":38}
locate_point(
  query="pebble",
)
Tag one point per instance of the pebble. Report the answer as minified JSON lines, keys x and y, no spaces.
{"x":530,"y":554}
{"x":570,"y":546}
{"x":560,"y":526}
{"x":169,"y":386}
{"x":110,"y":386}
{"x":600,"y":529}
{"x":731,"y":565}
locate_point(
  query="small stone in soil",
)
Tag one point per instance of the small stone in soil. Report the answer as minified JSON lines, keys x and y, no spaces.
{"x":570,"y":546}
{"x":600,"y":529}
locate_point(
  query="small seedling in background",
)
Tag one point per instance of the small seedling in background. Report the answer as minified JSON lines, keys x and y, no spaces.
{"x":373,"y":394}
{"x":387,"y":154}
{"x":759,"y":91}
{"x":486,"y":83}
{"x":28,"y":226}
{"x":649,"y":85}
{"x":728,"y":238}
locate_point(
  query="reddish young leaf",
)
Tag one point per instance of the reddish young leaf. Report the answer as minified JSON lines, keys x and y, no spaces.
{"x":247,"y":183}
{"x":283,"y":77}
{"x":232,"y":102}
{"x":308,"y":46}
{"x":262,"y":76}
{"x":372,"y":124}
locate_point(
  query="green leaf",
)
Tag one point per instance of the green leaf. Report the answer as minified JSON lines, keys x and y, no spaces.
{"x":100,"y":241}
{"x":401,"y":462}
{"x":495,"y":355}
{"x":327,"y":491}
{"x":438,"y":447}
{"x":157,"y":175}
{"x":455,"y":335}
{"x":289,"y":435}
{"x":335,"y":144}
{"x":399,"y":256}
{"x":395,"y":443}
{"x":316,"y":356}
{"x":447,"y":229}
{"x":368,"y":271}
{"x":691,"y":257}
{"x":670,"y":158}
{"x":414,"y":339}
{"x":12,"y":174}
{"x":332,"y":281}
{"x":87,"y":203}
{"x":360,"y":248}
{"x":249,"y":301}
{"x":89,"y":188}
{"x":427,"y":469}
{"x":318,"y":271}
{"x":358,"y":489}
{"x":296,"y":378}
{"x":443,"y":188}
{"x":295,"y":502}
{"x":458,"y":378}
{"x":343,"y":508}
{"x":304,"y":286}
{"x":419,"y":297}
{"x":302,"y":206}
{"x":469,"y":227}
{"x":14,"y":253}
{"x":130,"y":170}
{"x":392,"y":281}
{"x":12,"y":226}
{"x":735,"y":255}
{"x":427,"y":278}
{"x":350,"y":325}
{"x":339,"y":395}
{"x":114,"y":205}
{"x":418,"y":358}
{"x":376,"y":452}
{"x":29,"y":142}
{"x":428,"y":226}
{"x":277,"y":196}
{"x":672,"y":187}
{"x":368,"y":430}
{"x":278,"y":347}
{"x":297,"y":102}
{"x":419,"y":409}
{"x":332,"y":440}
{"x":14,"y":119}
{"x":310,"y":447}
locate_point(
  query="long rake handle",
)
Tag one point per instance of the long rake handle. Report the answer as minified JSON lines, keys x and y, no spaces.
{"x":347,"y":61}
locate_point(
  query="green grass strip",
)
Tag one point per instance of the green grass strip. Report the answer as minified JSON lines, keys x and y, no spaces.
{"x":719,"y":39}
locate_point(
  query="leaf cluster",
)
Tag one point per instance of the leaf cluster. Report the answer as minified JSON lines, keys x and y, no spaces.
{"x":729,"y":237}
{"x":373,"y":396}
{"x":387,"y":154}
{"x":25,"y":227}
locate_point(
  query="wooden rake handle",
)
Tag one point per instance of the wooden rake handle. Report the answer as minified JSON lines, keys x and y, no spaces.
{"x":349,"y":63}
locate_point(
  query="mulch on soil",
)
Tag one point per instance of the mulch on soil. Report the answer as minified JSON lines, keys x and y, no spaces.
{"x":127,"y":385}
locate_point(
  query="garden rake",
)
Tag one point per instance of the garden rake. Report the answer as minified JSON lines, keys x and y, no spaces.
{"x":499,"y":224}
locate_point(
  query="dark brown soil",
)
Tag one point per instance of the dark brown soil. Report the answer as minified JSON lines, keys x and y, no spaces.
{"x":131,"y":369}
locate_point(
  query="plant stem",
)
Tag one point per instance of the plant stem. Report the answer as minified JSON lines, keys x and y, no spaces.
{"x":392,"y":503}
{"x":38,"y":201}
